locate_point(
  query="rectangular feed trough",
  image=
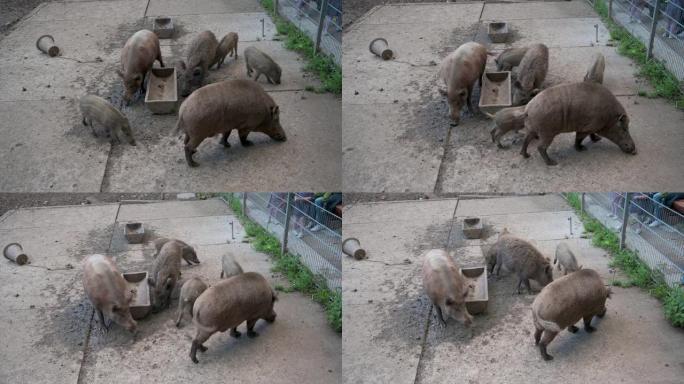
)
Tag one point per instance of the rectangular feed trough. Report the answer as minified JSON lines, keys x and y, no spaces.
{"x":496,"y":92}
{"x":134,"y":233}
{"x":498,"y":32}
{"x":137,"y":284}
{"x":163,"y":27}
{"x":478,"y":296}
{"x":472,"y":227}
{"x":162,"y":91}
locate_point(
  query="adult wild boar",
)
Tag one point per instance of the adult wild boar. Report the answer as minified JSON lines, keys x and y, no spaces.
{"x":189,"y":293}
{"x":521,"y":258}
{"x":595,"y":71}
{"x":255,"y":60}
{"x":586,"y":108}
{"x":221,"y":107}
{"x":561,"y":304}
{"x":566,"y":258}
{"x":188,"y":253}
{"x":199,"y":56}
{"x":446,"y":287}
{"x":509,"y":58}
{"x":459,"y":71}
{"x":165,"y":273}
{"x":245,"y":297}
{"x":137,"y":57}
{"x":228,"y":45}
{"x":530,"y":73}
{"x":106,"y":288}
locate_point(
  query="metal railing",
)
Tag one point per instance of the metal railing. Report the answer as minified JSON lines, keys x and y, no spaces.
{"x":646,"y":224}
{"x":321,"y":20}
{"x":659,"y":24}
{"x":303,"y":227}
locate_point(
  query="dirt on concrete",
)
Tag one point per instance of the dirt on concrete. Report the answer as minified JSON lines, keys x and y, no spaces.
{"x":9,"y":201}
{"x":13,"y":10}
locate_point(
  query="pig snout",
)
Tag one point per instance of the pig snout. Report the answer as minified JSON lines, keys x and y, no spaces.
{"x":271,"y":316}
{"x":455,"y":115}
{"x":628,"y":148}
{"x":460,"y":313}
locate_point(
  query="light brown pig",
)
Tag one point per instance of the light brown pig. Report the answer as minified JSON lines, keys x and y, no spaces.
{"x":459,"y":71}
{"x":165,"y":273}
{"x":595,"y":72}
{"x":561,"y":304}
{"x":106,"y":288}
{"x":587,"y":108}
{"x":521,"y":258}
{"x":199,"y":56}
{"x":565,"y":258}
{"x":509,"y":58}
{"x":227,"y":46}
{"x":189,"y":293}
{"x":221,"y":107}
{"x":137,"y":57}
{"x":505,"y":120}
{"x":245,"y":297}
{"x":531,"y":74}
{"x":188,"y":253}
{"x":229,"y":266}
{"x":446,"y":287}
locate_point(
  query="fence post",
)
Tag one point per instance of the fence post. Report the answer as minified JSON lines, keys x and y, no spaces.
{"x":321,"y":20}
{"x":275,"y":7}
{"x":582,"y":202}
{"x":244,"y":203}
{"x":286,"y":230}
{"x":610,"y":9}
{"x":625,"y":218}
{"x":654,"y":24}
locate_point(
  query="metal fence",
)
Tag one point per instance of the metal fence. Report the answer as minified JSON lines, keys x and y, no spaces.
{"x":646,"y":224}
{"x":303,"y":227}
{"x":659,"y":24}
{"x":321,"y":20}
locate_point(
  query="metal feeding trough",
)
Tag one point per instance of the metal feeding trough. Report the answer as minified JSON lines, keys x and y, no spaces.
{"x":496,"y":92}
{"x":137,"y":284}
{"x":478,"y":293}
{"x":472,"y":227}
{"x":163,"y":27}
{"x":498,"y":32}
{"x":134,"y":233}
{"x":162,"y":91}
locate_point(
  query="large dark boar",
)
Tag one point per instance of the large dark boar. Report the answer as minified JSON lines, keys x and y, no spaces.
{"x":262,"y":63}
{"x":199,"y":56}
{"x":587,"y":108}
{"x":137,"y":57}
{"x":530,"y":73}
{"x":188,"y":253}
{"x":98,"y":110}
{"x":221,"y":107}
{"x":245,"y":297}
{"x":165,"y":273}
{"x":107,"y":290}
{"x":459,"y":71}
{"x":561,"y":304}
{"x":509,"y":58}
{"x":505,"y":120}
{"x":446,"y":287}
{"x":521,"y":258}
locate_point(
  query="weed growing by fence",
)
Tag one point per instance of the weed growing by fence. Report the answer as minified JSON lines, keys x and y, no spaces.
{"x":296,"y":40}
{"x":300,"y":277}
{"x":627,"y":260}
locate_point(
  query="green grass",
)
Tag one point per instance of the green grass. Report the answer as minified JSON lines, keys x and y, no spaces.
{"x":300,"y":277}
{"x":665,"y":84}
{"x":638,"y":273}
{"x":322,"y":65}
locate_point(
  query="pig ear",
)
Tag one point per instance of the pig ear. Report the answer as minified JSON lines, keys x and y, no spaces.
{"x":275,"y":112}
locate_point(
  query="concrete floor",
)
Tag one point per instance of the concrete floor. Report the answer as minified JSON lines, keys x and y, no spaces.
{"x":48,"y":333}
{"x":47,"y":149}
{"x":392,"y":335}
{"x":396,"y":132}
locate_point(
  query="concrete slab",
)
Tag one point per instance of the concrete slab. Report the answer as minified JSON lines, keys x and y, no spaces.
{"x":536,"y":10}
{"x":510,"y":205}
{"x":60,"y":217}
{"x":180,"y":7}
{"x":428,"y":14}
{"x":85,"y":10}
{"x":173,"y":209}
{"x":557,"y":33}
{"x":247,"y":26}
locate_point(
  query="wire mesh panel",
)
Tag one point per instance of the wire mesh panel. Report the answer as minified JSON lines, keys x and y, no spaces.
{"x":314,"y":234}
{"x":306,"y":15}
{"x":652,"y":227}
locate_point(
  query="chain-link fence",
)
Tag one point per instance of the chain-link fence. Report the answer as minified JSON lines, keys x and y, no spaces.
{"x":305,"y":224}
{"x":646,"y":223}
{"x":321,"y":20}
{"x":659,"y":24}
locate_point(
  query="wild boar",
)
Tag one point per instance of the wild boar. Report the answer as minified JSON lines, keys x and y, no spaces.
{"x":221,"y":107}
{"x":188,"y":253}
{"x":189,"y":293}
{"x":245,"y":297}
{"x":459,"y":71}
{"x":505,"y":120}
{"x":262,"y":63}
{"x":164,"y":274}
{"x":530,"y":74}
{"x":561,"y":304}
{"x":446,"y":287}
{"x":228,"y":45}
{"x":509,"y":58}
{"x":199,"y":56}
{"x":523,"y":259}
{"x":229,"y":266}
{"x":587,"y":108}
{"x":565,"y":257}
{"x":595,"y":71}
{"x":106,"y":288}
{"x":137,"y":57}
{"x":96,"y":109}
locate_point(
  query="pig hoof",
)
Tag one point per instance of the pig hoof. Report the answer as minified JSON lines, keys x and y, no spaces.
{"x":551,"y":163}
{"x":246,"y":143}
{"x":572,"y":329}
{"x":589,"y":328}
{"x":252,"y":334}
{"x":194,"y":359}
{"x":595,"y":137}
{"x":235,"y":333}
{"x":547,"y":357}
{"x":202,"y":348}
{"x":580,"y":148}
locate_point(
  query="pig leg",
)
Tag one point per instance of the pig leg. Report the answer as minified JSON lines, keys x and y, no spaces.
{"x":528,"y":139}
{"x":250,"y":328}
{"x":537,"y":335}
{"x":545,"y":142}
{"x":224,"y":139}
{"x":469,"y":101}
{"x":159,"y":57}
{"x":587,"y":324}
{"x":603,"y":313}
{"x":439,"y":315}
{"x":222,"y":274}
{"x":243,"y":138}
{"x":579,"y":136}
{"x":180,"y":312}
{"x":546,"y":339}
{"x":200,"y":338}
{"x":190,"y":145}
{"x":235,"y":333}
{"x":102,"y":320}
{"x":258,"y":73}
{"x":572,"y":329}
